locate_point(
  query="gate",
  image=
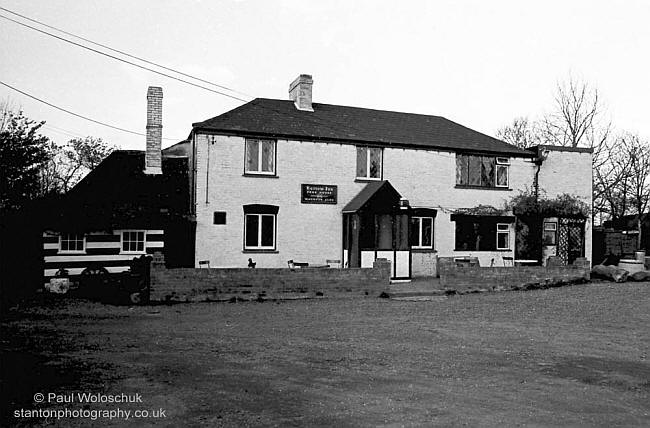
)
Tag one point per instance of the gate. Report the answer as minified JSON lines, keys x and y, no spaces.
{"x":571,"y":239}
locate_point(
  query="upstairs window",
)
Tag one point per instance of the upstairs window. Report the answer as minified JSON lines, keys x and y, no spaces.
{"x":260,"y":157}
{"x":72,"y":243}
{"x":421,"y":232}
{"x":133,"y":241}
{"x":503,"y":166}
{"x":482,"y":171}
{"x":369,"y":163}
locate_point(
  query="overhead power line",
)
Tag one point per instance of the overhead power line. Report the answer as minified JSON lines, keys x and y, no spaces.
{"x":79,"y":115}
{"x":319,"y":122}
{"x":125,"y":53}
{"x":123,"y":60}
{"x":62,"y":131}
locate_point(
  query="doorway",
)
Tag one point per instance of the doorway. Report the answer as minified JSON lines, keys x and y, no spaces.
{"x":376,"y":225}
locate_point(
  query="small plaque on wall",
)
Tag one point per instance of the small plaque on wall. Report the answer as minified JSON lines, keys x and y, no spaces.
{"x":318,"y":194}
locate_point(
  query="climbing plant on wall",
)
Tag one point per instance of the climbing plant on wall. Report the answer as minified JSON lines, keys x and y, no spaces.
{"x":527,"y":204}
{"x":531,"y":209}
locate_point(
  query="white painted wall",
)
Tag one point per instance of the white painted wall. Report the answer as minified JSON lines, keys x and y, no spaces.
{"x":569,"y":171}
{"x":313,"y":233}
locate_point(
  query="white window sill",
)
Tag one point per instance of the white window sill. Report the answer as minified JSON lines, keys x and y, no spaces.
{"x":265,"y":173}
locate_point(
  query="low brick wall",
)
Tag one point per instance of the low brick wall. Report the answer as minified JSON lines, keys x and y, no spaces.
{"x":223,"y":284}
{"x":466,"y":278}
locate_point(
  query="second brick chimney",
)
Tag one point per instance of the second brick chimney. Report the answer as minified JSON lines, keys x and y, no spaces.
{"x":153,"y":155}
{"x":300,"y":92}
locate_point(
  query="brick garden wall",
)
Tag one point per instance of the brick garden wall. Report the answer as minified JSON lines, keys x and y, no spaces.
{"x":464,"y":278}
{"x":222,"y":284}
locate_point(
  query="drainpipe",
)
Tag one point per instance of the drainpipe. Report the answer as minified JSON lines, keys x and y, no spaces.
{"x":542,"y":155}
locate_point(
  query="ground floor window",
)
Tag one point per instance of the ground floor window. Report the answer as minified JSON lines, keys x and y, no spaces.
{"x":72,"y":243}
{"x":421,"y":232}
{"x":550,"y":233}
{"x":481,"y":233}
{"x":133,"y":241}
{"x":260,"y":227}
{"x":503,"y":236}
{"x":260,"y":231}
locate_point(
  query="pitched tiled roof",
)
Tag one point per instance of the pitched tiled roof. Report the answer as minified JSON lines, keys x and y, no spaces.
{"x":119,"y":194}
{"x":382,"y":190}
{"x":279,"y":118}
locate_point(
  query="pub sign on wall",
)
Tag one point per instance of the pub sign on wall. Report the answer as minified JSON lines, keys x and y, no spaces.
{"x":318,"y":194}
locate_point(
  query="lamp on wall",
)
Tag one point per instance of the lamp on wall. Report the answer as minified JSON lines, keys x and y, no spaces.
{"x":541,"y":156}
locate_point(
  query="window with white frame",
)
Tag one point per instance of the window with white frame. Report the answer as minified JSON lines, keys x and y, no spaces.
{"x":260,"y":157}
{"x":421,"y":232}
{"x":369,"y":163}
{"x":72,"y":243}
{"x":503,"y":236}
{"x":550,"y":233}
{"x":481,"y":233}
{"x":260,"y":227}
{"x":133,"y":241}
{"x":503,"y":167}
{"x":482,"y":171}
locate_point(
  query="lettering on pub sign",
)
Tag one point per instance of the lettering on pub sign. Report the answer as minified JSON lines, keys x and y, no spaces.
{"x":318,"y":194}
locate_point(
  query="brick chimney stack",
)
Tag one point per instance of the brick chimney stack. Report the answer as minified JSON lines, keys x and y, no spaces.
{"x":300,"y":92}
{"x":153,"y":156}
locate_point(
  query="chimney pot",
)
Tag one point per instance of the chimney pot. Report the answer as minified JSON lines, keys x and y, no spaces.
{"x":300,"y":92}
{"x":153,"y":155}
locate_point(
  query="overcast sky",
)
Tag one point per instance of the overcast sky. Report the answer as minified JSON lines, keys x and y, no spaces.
{"x":479,"y":63}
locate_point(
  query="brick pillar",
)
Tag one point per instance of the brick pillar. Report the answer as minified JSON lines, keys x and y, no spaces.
{"x":153,"y":155}
{"x":158,"y":260}
{"x":383,"y":266}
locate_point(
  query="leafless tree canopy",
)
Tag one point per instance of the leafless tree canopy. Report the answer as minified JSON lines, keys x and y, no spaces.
{"x":576,"y":119}
{"x":522,"y":132}
{"x":621,"y":164}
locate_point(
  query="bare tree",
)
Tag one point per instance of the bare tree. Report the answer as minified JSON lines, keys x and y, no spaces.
{"x":577,"y":118}
{"x":611,"y":188}
{"x":622,"y":183}
{"x":639,"y":160}
{"x":522,"y":133}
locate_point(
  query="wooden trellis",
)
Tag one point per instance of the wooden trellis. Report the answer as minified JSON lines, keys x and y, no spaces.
{"x":570,"y":239}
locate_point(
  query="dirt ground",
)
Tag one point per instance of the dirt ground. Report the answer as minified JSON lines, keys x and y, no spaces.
{"x":573,"y":356}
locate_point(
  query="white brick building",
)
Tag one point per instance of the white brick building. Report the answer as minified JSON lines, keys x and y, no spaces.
{"x":277,"y":180}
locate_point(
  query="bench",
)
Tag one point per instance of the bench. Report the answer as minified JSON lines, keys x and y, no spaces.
{"x":293,"y":265}
{"x":330,"y":262}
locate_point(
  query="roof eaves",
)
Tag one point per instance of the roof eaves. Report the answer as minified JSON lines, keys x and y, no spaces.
{"x":352,"y":141}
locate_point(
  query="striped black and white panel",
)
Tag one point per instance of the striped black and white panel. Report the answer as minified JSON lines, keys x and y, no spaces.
{"x":103,"y":249}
